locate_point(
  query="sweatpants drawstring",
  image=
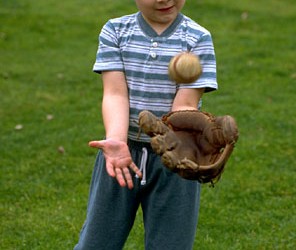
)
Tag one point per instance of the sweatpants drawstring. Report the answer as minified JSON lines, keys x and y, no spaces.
{"x":143,"y":165}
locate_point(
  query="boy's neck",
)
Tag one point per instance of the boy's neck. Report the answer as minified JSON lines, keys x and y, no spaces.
{"x":157,"y":28}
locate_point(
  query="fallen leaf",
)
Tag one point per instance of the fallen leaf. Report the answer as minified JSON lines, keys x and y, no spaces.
{"x":244,"y":15}
{"x":19,"y":127}
{"x":49,"y":117}
{"x":61,"y":149}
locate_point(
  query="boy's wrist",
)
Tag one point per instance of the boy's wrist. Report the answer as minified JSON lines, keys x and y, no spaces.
{"x":122,"y":138}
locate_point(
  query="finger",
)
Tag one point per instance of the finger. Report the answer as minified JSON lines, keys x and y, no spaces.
{"x":110,"y":170}
{"x":119,"y":177}
{"x":128,"y":178}
{"x":97,"y":144}
{"x":135,"y":169}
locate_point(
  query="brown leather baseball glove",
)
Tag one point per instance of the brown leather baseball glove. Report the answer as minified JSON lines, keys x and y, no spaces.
{"x":194,"y":144}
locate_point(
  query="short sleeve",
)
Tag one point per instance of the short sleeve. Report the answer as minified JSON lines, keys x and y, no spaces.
{"x":108,"y":55}
{"x":204,"y":48}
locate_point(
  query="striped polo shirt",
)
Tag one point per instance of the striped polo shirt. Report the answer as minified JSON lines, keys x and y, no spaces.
{"x":129,"y":44}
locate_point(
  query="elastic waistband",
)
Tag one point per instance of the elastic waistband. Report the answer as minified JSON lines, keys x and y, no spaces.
{"x":139,"y":145}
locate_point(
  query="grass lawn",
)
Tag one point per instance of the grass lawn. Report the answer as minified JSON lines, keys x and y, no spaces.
{"x":50,"y":109}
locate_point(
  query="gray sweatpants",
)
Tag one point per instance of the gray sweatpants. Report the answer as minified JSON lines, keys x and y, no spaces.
{"x":169,"y":203}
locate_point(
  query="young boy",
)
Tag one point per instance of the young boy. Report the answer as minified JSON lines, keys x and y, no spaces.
{"x":133,"y":57}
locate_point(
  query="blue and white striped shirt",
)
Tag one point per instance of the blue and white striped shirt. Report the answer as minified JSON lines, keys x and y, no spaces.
{"x":129,"y":44}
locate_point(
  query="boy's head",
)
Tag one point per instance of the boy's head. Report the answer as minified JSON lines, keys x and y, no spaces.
{"x":160,"y":12}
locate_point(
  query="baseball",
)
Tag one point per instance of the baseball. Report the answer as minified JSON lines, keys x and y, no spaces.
{"x":184,"y":68}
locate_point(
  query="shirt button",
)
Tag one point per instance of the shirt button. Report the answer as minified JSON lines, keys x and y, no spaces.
{"x":154,"y":45}
{"x":153,"y":55}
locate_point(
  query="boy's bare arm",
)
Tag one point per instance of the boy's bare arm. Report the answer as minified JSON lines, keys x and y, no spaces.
{"x":115,"y":108}
{"x":115,"y":105}
{"x":187,"y":99}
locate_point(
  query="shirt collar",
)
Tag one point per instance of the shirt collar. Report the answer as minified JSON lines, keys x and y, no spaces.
{"x":148,"y":30}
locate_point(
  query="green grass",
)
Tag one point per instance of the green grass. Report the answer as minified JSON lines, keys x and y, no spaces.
{"x":47,"y":49}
